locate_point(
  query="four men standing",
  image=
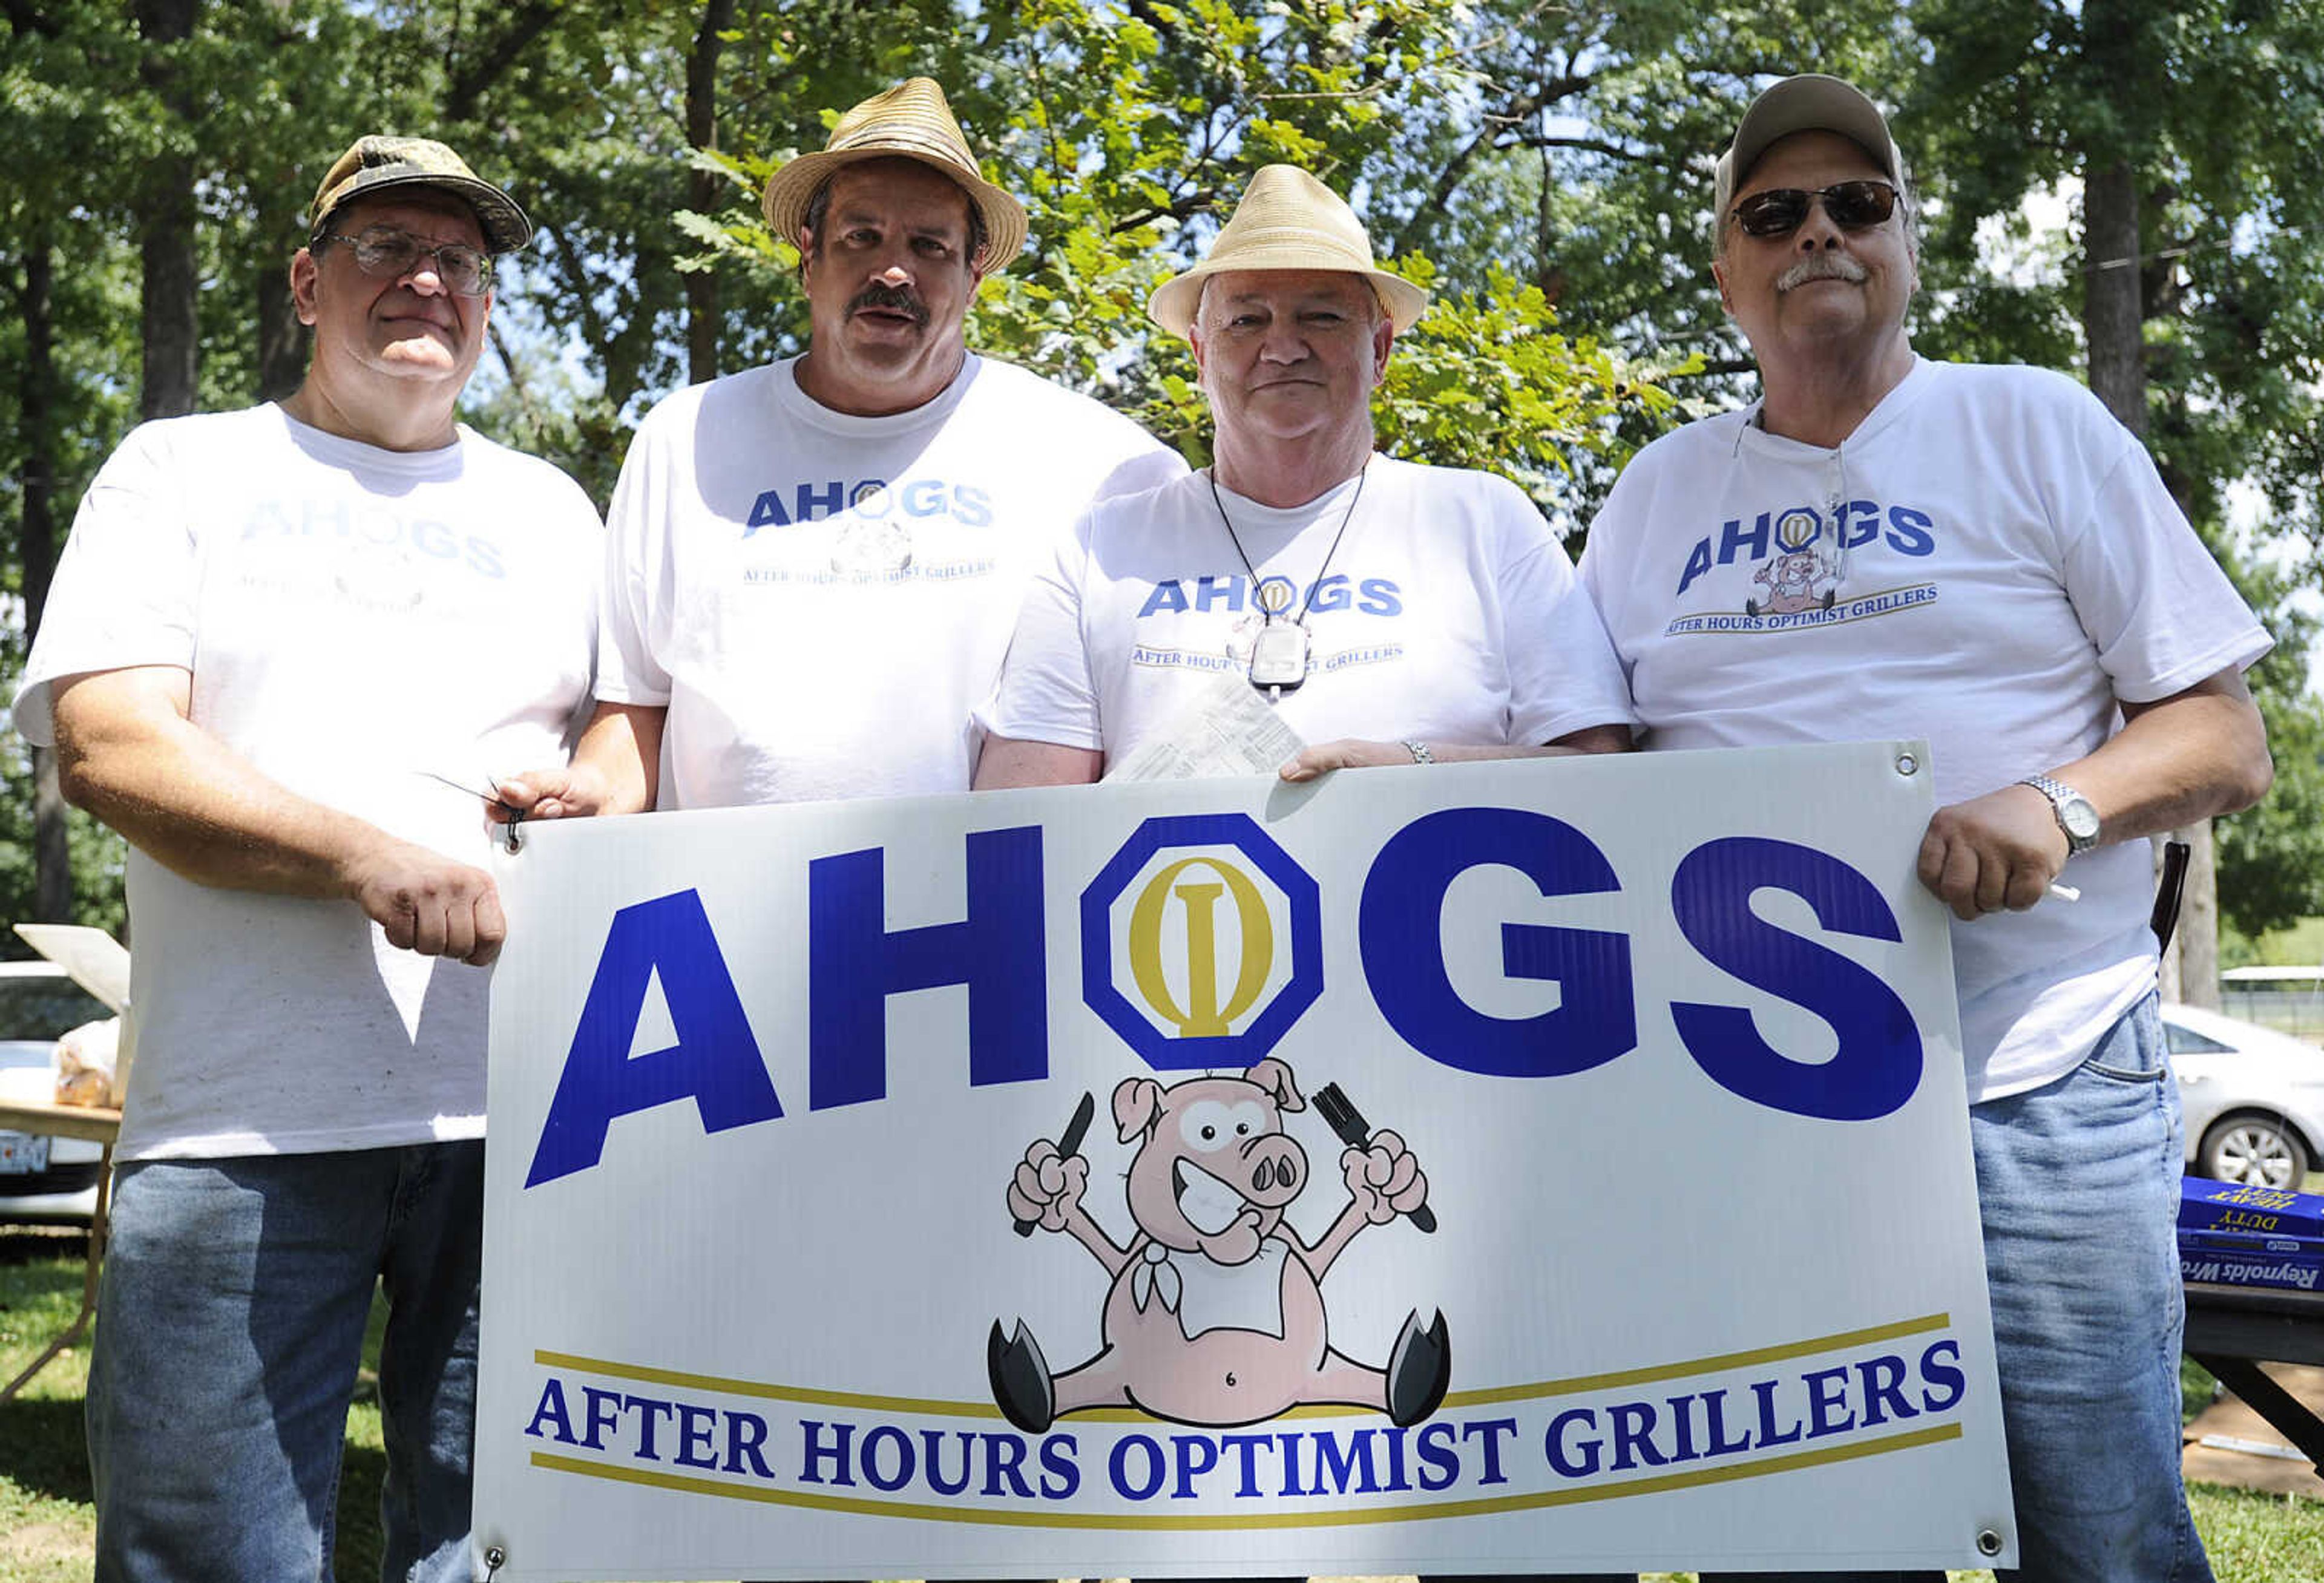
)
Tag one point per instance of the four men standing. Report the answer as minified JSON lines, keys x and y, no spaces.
{"x":808,"y":591}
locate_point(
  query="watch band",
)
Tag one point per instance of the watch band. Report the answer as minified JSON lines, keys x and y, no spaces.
{"x":2077,"y":817}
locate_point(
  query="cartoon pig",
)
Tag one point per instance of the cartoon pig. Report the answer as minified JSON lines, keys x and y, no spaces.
{"x":1215,"y":1315}
{"x":1790,"y":579}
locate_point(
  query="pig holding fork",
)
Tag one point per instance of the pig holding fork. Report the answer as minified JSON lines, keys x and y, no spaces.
{"x":1215,"y":1315}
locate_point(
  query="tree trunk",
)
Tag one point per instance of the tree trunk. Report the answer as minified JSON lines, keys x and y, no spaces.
{"x":702,"y":132}
{"x":171,"y":349}
{"x":52,"y":876}
{"x":2113,"y":313}
{"x":2111,"y":139}
{"x":36,"y":432}
{"x":2197,"y":944}
{"x":36,"y":550}
{"x":166,"y":223}
{"x":282,"y":338}
{"x":2114,"y":316}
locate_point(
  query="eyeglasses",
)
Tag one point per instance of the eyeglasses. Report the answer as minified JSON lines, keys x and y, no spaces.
{"x":390,"y":254}
{"x":1853,"y":206}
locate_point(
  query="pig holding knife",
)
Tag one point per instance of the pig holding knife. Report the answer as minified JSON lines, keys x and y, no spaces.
{"x":1215,"y":1315}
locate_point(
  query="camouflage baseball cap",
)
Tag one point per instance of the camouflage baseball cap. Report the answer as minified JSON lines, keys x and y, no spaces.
{"x":381,"y":164}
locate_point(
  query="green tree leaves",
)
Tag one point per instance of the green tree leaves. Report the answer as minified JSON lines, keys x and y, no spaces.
{"x":1545,"y":170}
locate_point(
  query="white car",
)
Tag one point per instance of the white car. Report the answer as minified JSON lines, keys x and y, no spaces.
{"x":42,"y":1178}
{"x":2253,"y":1098}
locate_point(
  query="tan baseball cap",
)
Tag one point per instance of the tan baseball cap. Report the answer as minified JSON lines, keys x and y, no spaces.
{"x":377,"y":164}
{"x":1808,"y":103}
{"x":911,"y":120}
{"x":1288,"y":220}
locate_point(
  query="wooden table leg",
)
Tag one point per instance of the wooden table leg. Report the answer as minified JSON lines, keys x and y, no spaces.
{"x":2286,"y":1412}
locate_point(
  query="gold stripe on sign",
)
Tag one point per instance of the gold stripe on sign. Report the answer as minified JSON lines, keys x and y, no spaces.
{"x":922,"y":1406}
{"x":1573,"y":1385}
{"x":924,"y":1511}
{"x":1720,"y":1363}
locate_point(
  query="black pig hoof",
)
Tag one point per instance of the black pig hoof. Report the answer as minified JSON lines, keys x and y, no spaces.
{"x":1021,"y":1380}
{"x":1419,"y":1369}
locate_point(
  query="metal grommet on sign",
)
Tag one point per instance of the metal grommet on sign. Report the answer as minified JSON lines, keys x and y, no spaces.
{"x":494,"y":1557}
{"x":1989,"y":1543}
{"x":1906,"y":764}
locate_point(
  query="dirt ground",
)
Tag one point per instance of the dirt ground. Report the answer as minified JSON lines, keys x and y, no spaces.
{"x":2235,"y":1434}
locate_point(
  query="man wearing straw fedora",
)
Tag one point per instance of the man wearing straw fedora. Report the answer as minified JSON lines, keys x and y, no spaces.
{"x":280,"y":642}
{"x":1982,"y":556}
{"x":812,"y":567}
{"x":1384,"y":611}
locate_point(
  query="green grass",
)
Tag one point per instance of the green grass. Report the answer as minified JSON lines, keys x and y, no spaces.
{"x":48,"y":1528}
{"x":47,"y":1525}
{"x":45,"y":1522}
{"x":2300,"y":945}
{"x":45,"y":1519}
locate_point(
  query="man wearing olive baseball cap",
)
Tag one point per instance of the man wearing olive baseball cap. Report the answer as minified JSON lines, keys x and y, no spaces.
{"x":1977,"y":555}
{"x":864,"y":515}
{"x":269,"y":632}
{"x":1386,"y":611}
{"x":374,"y":166}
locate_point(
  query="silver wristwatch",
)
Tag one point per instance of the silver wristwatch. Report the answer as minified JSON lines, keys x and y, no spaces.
{"x":2074,"y":812}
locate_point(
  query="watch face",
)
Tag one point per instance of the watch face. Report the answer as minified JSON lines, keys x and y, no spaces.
{"x":2081,"y":819}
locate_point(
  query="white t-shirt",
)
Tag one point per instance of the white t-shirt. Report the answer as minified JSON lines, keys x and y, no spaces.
{"x":2012,"y":567}
{"x":819,"y":599}
{"x":353,"y":619}
{"x":1448,"y":613}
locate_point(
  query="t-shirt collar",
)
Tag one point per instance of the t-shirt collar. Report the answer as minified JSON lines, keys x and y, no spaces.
{"x":1330,"y":502}
{"x":809,"y":410}
{"x":1891,"y":407}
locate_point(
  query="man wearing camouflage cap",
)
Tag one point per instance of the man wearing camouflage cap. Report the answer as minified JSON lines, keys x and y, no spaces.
{"x":813,"y":566}
{"x":270,"y":634}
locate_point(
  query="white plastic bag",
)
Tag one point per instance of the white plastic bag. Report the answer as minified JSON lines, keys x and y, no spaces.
{"x":87,"y":1061}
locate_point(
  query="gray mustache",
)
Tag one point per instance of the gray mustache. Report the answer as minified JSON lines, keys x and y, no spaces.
{"x":1823,"y":266}
{"x":895,"y":298}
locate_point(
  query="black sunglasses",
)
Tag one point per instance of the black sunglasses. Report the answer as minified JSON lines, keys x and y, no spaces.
{"x":1853,"y":206}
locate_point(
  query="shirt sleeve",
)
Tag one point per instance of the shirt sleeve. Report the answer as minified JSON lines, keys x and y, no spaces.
{"x":2151,"y":596}
{"x":638,"y":579}
{"x":1600,"y":579}
{"x":1046,"y":693}
{"x":1563,"y":677}
{"x":1147,"y":465}
{"x":127,"y":584}
{"x":585,"y":590}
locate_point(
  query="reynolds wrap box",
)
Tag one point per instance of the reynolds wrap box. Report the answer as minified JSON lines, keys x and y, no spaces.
{"x":2280,"y":1271}
{"x":2247,"y":1210}
{"x":2230,"y":1243}
{"x":2234,"y":1235}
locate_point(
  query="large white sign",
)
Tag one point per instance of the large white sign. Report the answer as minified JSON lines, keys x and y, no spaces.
{"x":1455,"y":1169}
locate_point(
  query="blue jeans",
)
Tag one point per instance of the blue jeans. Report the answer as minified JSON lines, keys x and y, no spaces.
{"x":230,"y":1328}
{"x":2078,"y":1183}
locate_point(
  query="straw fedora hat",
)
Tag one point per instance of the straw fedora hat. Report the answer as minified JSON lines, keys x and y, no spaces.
{"x":911,"y":120}
{"x":1288,"y":220}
